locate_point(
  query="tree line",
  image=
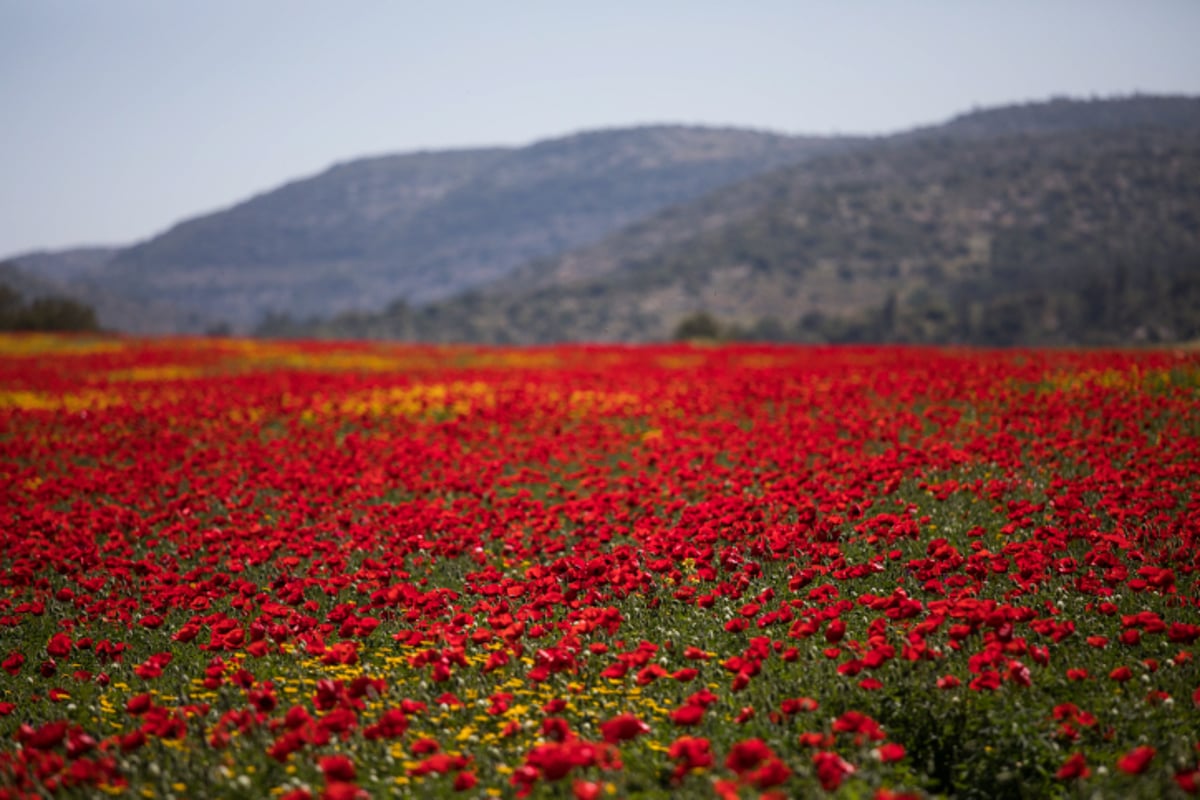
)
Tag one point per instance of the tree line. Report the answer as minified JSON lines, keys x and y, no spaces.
{"x":44,"y":313}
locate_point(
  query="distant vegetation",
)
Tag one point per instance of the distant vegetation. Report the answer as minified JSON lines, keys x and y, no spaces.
{"x":43,"y":313}
{"x":700,"y":325}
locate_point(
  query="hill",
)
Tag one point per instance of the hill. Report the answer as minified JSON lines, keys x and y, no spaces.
{"x":1067,"y":115}
{"x":64,"y":265}
{"x":424,"y":226}
{"x":70,"y":275}
{"x":1077,"y":222}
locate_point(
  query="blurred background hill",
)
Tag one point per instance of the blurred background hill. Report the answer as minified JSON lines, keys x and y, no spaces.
{"x":1057,"y":222}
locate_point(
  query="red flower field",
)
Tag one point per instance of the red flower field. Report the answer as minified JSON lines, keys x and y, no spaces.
{"x":252,"y":569}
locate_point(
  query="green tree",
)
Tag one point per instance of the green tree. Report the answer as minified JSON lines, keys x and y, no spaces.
{"x":44,"y":313}
{"x":57,"y":314}
{"x":10,"y":306}
{"x":699,"y":325}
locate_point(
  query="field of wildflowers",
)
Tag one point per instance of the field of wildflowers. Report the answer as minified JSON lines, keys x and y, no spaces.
{"x":250,"y":569}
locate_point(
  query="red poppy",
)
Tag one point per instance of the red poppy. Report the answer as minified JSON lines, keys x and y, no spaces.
{"x":586,"y":790}
{"x":691,"y":753}
{"x":746,"y":755}
{"x":139,"y":704}
{"x":1074,"y":767}
{"x":860,"y":724}
{"x":687,"y":715}
{"x":337,"y":768}
{"x":831,"y":769}
{"x":59,"y":645}
{"x":1137,"y":760}
{"x":13,"y":662}
{"x":1188,"y":780}
{"x":623,"y":727}
{"x":772,"y":773}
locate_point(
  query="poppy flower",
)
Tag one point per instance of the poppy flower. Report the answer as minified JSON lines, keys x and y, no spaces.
{"x":139,"y":704}
{"x":556,"y":729}
{"x":691,"y":753}
{"x":831,"y":769}
{"x":1121,"y":674}
{"x":772,"y":773}
{"x":858,"y":723}
{"x":337,"y":768}
{"x":553,"y":760}
{"x":59,"y":645}
{"x":813,"y":739}
{"x":796,"y":705}
{"x":392,"y":724}
{"x":1074,"y":767}
{"x":1188,"y":780}
{"x":586,"y":790}
{"x":343,"y":790}
{"x":46,"y":736}
{"x":687,"y":715}
{"x":746,"y":755}
{"x":623,"y":727}
{"x":1137,"y":760}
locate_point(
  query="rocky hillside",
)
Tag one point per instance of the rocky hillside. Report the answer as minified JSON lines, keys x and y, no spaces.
{"x":1056,"y":222}
{"x":425,"y":226}
{"x":1074,"y":223}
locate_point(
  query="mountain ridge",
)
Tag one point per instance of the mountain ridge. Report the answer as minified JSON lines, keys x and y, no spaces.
{"x":444,"y":229}
{"x":430,"y":224}
{"x":949,"y":237}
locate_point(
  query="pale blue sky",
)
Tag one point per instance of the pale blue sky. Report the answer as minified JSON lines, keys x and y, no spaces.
{"x":121,"y":117}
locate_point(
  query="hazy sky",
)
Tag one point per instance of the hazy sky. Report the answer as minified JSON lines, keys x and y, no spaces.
{"x":120,"y":117}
